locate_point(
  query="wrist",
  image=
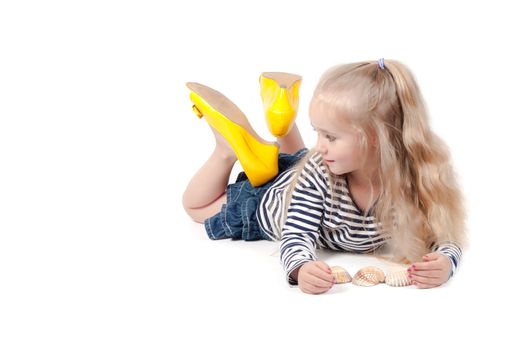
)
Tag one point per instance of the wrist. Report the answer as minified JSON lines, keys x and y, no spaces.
{"x":451,"y":263}
{"x":294,"y":273}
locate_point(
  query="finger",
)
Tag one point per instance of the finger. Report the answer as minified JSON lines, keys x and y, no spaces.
{"x":424,"y":285}
{"x":430,"y":274}
{"x":323,"y":266}
{"x":431,"y":265}
{"x":431,"y":256}
{"x":424,"y":279}
{"x":314,"y":289}
{"x":323,"y":274}
{"x":308,"y":289}
{"x":316,"y":281}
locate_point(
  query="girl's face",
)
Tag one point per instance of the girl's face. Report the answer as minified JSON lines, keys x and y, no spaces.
{"x":339,"y":144}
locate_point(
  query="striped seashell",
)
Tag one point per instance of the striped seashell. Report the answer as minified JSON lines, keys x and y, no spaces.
{"x":341,"y":275}
{"x":397,"y":278}
{"x":368,"y":276}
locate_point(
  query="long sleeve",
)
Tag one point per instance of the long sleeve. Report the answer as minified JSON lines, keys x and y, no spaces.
{"x":302,"y":225}
{"x":452,"y":251}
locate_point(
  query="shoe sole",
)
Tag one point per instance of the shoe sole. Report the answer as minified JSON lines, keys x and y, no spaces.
{"x":285,"y":80}
{"x":225,"y":107}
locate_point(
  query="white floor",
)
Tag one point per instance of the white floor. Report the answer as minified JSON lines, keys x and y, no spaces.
{"x":239,"y":288}
{"x":97,"y":143}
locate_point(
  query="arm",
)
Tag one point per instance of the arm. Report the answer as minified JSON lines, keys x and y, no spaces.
{"x":301,"y":228}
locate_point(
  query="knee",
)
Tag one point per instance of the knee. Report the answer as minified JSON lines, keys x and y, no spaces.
{"x":185,"y":201}
{"x":193,"y":213}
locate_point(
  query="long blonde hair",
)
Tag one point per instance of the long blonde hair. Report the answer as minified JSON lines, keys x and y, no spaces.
{"x":420,"y":202}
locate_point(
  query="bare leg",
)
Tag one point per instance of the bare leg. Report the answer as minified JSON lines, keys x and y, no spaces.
{"x":291,"y":142}
{"x":205,"y":193}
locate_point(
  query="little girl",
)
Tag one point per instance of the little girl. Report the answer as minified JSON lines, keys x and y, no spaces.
{"x":377,"y":177}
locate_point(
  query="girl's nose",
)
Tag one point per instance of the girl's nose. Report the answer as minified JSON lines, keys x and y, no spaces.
{"x":321,"y":147}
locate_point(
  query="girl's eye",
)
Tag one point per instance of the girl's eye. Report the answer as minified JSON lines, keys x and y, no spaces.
{"x":329,"y":137}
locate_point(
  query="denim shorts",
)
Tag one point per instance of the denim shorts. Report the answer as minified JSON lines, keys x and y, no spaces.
{"x":237,"y":218}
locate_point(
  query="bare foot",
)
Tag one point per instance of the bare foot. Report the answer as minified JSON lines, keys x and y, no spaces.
{"x":223,"y":147}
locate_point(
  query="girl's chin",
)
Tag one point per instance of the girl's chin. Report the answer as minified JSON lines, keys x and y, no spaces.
{"x":335,"y":171}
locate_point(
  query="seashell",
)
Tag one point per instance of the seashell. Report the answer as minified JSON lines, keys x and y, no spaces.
{"x":368,"y":276}
{"x":341,"y":275}
{"x":397,"y":278}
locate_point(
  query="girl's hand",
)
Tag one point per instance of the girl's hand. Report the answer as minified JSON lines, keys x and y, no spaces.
{"x":315,"y":277}
{"x":432,"y":272}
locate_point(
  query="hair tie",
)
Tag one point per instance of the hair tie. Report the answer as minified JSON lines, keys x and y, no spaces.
{"x":381,"y":63}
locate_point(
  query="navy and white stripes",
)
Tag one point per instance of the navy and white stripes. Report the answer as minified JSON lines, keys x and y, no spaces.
{"x":318,"y":219}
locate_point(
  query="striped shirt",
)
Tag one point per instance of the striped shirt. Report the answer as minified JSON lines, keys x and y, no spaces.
{"x":316,"y":219}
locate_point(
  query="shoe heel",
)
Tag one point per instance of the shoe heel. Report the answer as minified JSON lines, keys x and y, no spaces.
{"x":265,"y":168}
{"x":279,"y":92}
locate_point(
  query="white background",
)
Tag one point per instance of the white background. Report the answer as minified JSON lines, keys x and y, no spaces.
{"x":98,"y":141}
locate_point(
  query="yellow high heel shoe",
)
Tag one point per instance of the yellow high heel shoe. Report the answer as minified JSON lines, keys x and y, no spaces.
{"x":258,"y":158}
{"x":279,"y":93}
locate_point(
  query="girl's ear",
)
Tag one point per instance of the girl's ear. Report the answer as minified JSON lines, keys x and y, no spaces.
{"x":375,"y":141}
